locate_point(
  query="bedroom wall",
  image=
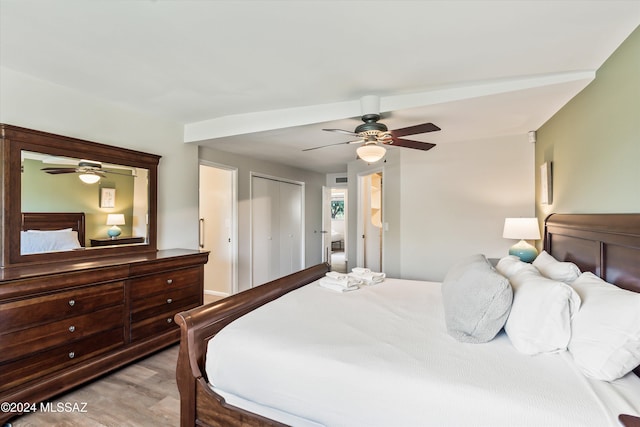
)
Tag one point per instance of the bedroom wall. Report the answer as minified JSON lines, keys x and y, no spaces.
{"x":594,"y":141}
{"x":312,"y":209}
{"x":449,"y":202}
{"x":36,"y":104}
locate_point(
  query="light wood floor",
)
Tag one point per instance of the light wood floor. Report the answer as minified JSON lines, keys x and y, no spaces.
{"x":143,"y":394}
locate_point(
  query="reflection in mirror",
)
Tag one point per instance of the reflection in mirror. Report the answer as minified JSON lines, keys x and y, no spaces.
{"x":64,"y":184}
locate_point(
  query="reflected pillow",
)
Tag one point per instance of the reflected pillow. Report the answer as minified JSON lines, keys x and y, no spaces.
{"x":48,"y":241}
{"x":49,"y":231}
{"x":605,"y":341}
{"x":476,"y":300}
{"x":553,"y":269}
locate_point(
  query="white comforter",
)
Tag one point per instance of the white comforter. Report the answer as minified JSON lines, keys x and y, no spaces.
{"x":380,"y":356}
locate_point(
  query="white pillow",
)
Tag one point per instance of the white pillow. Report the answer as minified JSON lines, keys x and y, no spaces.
{"x":606,"y":332}
{"x":553,"y":269}
{"x":46,"y":241}
{"x":541,"y":313}
{"x":511,"y":264}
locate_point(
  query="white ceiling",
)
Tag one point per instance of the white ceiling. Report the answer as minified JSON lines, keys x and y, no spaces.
{"x":264,"y":77}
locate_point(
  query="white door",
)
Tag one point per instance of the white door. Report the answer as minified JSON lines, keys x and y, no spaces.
{"x":216,"y":207}
{"x":326,"y":224}
{"x":277,"y":239}
{"x":370,"y":222}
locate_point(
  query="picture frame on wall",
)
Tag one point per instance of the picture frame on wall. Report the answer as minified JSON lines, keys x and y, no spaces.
{"x":107,"y":197}
{"x":546,"y":183}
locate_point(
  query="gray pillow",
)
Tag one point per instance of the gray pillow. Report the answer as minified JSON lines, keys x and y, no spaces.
{"x":477,"y":300}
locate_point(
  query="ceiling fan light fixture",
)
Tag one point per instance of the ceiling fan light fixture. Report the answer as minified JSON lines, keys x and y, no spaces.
{"x":89,"y":178}
{"x":371,"y":152}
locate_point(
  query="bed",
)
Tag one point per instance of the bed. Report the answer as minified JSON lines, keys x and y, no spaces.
{"x":607,"y":245}
{"x":51,"y":231}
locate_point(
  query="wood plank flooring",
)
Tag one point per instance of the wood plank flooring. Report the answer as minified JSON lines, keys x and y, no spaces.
{"x":143,"y":394}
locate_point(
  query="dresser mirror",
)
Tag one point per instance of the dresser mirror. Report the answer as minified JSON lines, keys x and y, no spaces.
{"x":70,"y":199}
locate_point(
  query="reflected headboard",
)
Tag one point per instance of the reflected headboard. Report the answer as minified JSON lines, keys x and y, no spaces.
{"x":55,"y":221}
{"x":606,"y":244}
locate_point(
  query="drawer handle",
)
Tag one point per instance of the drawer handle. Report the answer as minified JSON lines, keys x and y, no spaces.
{"x":169,"y":320}
{"x":169,"y":300}
{"x":72,"y":328}
{"x":169,"y":281}
{"x":71,"y":355}
{"x":72,"y":302}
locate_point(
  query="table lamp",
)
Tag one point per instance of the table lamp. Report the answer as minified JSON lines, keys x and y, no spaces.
{"x":522,"y":229}
{"x":114,"y":220}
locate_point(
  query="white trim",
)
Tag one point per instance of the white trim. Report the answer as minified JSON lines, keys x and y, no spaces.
{"x":234,"y":218}
{"x":360,"y":210}
{"x":215,"y":293}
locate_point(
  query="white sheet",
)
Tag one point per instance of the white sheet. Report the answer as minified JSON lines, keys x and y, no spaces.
{"x":380,"y":356}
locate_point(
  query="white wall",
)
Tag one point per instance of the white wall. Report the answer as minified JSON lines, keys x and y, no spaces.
{"x":312,"y":204}
{"x":448,"y":202}
{"x":36,"y":104}
{"x":455,"y":198}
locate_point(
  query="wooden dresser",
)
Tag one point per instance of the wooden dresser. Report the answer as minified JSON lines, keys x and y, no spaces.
{"x":66,"y":323}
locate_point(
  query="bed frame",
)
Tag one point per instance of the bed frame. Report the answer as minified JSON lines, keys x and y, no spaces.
{"x":605,"y":244}
{"x":55,"y":221}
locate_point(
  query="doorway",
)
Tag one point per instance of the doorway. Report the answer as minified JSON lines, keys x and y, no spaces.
{"x":334,"y":228}
{"x":370,"y":204}
{"x":218,"y":229}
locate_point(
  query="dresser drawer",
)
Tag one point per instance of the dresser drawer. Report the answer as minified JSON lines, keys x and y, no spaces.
{"x":26,"y":341}
{"x":45,"y":309}
{"x":159,"y":303}
{"x":50,"y":361}
{"x":143,"y":287}
{"x":158,"y":324}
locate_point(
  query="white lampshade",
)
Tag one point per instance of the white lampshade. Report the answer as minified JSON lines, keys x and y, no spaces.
{"x":115,"y":219}
{"x":521,"y":228}
{"x":89,"y":178}
{"x":371,"y":152}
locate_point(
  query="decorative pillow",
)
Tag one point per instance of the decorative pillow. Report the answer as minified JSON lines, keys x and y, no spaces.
{"x":511,"y":264}
{"x":605,"y":343}
{"x":541,"y":313}
{"x":553,"y":269}
{"x":476,"y":299}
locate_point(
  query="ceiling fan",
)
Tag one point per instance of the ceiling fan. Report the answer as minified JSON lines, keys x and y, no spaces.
{"x":89,"y":171}
{"x":373,"y":136}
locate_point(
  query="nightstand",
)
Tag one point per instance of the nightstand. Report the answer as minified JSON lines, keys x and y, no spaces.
{"x":119,"y":241}
{"x":629,"y":420}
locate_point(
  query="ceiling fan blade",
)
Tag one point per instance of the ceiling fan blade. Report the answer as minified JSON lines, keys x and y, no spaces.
{"x":117,"y":173}
{"x":344,"y":132}
{"x":407,"y":143}
{"x":331,"y":145}
{"x":58,"y":170}
{"x":414,"y":130}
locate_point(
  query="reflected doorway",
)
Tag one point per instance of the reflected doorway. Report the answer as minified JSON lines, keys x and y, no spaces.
{"x":334,"y":241}
{"x":217,"y":228}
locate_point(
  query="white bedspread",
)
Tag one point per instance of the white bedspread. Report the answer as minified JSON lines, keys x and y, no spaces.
{"x":380,"y":356}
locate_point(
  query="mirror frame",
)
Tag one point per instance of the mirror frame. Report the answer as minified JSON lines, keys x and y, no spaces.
{"x":16,"y":139}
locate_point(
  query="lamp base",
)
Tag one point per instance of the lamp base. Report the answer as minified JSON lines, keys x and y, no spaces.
{"x":114,"y":232}
{"x":523,"y":250}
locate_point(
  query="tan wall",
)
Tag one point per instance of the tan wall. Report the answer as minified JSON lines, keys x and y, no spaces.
{"x":593,"y":142}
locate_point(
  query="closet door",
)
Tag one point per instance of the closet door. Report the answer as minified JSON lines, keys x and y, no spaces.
{"x":265,"y":226}
{"x":290,"y":228}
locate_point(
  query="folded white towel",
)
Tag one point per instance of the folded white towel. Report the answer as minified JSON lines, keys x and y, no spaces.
{"x":342,"y":280}
{"x":368,"y":277}
{"x":329,"y":283}
{"x":337,"y":276}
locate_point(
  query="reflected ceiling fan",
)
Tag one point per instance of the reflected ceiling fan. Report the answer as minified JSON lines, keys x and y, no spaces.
{"x":89,"y":171}
{"x":373,"y":136}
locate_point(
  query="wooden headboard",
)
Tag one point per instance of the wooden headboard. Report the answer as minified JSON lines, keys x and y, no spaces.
{"x":608,"y":245}
{"x":55,"y":221}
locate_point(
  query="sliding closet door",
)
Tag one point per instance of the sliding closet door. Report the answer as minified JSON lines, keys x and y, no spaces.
{"x":276,"y":229}
{"x":290,"y":228}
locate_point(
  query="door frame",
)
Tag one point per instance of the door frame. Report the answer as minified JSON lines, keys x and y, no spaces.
{"x":360,"y":246}
{"x":234,"y":218}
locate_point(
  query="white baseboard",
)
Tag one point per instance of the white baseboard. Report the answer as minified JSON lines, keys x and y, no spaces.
{"x":216,"y":293}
